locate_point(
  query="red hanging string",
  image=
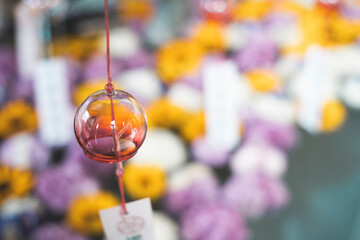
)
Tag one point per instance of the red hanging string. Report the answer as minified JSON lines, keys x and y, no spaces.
{"x":109,"y":87}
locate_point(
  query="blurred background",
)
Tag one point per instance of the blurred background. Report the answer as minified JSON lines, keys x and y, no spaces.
{"x":253,"y":109}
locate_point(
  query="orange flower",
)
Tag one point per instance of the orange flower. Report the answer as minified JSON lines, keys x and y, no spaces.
{"x":177,"y":59}
{"x":251,"y":10}
{"x":194,"y":127}
{"x":263,"y":80}
{"x":334,"y":115}
{"x":209,"y":35}
{"x":135,"y":9}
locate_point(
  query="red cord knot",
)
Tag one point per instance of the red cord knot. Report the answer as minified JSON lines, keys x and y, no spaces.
{"x":109,"y":88}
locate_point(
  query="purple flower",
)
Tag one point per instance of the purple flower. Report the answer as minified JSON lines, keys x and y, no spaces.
{"x":96,"y":68}
{"x":280,"y":135}
{"x":259,"y":52}
{"x":58,"y":186}
{"x":138,"y":60}
{"x":24,"y":151}
{"x":351,"y":11}
{"x":212,"y":222}
{"x":253,"y":195}
{"x":206,"y":153}
{"x":55,"y":232}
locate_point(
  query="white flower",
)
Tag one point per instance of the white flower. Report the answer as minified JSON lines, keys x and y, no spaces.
{"x":255,"y":158}
{"x":123,"y":42}
{"x":236,"y":36}
{"x":186,"y":97}
{"x":143,"y":83}
{"x":162,"y":148}
{"x":165,"y":228}
{"x":183,"y":178}
{"x":16,"y":206}
{"x":275,"y":109}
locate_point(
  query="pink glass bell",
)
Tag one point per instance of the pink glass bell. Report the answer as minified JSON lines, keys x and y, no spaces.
{"x":218,"y":10}
{"x":330,"y":5}
{"x":104,"y":139}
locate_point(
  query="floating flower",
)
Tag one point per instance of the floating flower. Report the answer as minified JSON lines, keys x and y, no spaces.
{"x":24,"y":151}
{"x":161,"y":148}
{"x":342,"y":30}
{"x":55,"y":232}
{"x":263,"y":80}
{"x":142,"y":83}
{"x":58,"y":186}
{"x":212,"y":222}
{"x":164,"y":227}
{"x":15,"y":182}
{"x":186,"y":97}
{"x":140,"y":59}
{"x":143,"y":181}
{"x":127,"y":42}
{"x":259,"y":158}
{"x":194,"y":128}
{"x":204,"y":152}
{"x":130,"y":10}
{"x":191,"y":185}
{"x":334,"y":114}
{"x":259,"y":52}
{"x":210,"y":36}
{"x":162,"y":113}
{"x":251,"y":10}
{"x":83,"y":214}
{"x":96,"y":68}
{"x":253,"y":195}
{"x":15,"y":117}
{"x":79,"y":48}
{"x":177,"y":59}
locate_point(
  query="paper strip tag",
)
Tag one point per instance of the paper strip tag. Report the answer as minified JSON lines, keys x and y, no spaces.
{"x":53,"y":103}
{"x":136,"y":225}
{"x":221,"y":104}
{"x":28,"y":40}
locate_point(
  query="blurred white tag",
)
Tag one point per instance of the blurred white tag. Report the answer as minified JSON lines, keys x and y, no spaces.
{"x":317,"y":84}
{"x":53,"y":102}
{"x":221,"y":104}
{"x":28,"y":39}
{"x":136,"y":225}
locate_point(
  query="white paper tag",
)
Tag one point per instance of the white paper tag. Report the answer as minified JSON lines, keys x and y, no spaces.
{"x":221,"y":104}
{"x":137,"y":224}
{"x":28,"y":39}
{"x":317,"y":83}
{"x":53,"y":104}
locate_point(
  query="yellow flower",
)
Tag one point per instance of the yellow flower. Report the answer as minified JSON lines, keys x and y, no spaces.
{"x":334,"y":115}
{"x":251,"y":10}
{"x":342,"y":30}
{"x":177,"y":59}
{"x":144,"y":181}
{"x":135,"y":9}
{"x":87,"y":88}
{"x":83,"y":214}
{"x":209,"y":35}
{"x":263,"y":80}
{"x":163,"y":113}
{"x":14,"y":182}
{"x":194,"y":127}
{"x":79,"y":48}
{"x":15,"y":117}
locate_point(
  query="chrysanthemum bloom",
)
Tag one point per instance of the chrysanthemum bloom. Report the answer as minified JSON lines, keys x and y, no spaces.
{"x":15,"y":117}
{"x":14,"y":182}
{"x":165,"y":228}
{"x":213,"y":222}
{"x":85,"y":89}
{"x":58,"y":186}
{"x":177,"y":59}
{"x":259,"y":52}
{"x":79,"y":48}
{"x":55,"y":232}
{"x":252,"y":195}
{"x":83,"y":214}
{"x":143,"y":181}
{"x":96,"y":68}
{"x":162,"y":113}
{"x":334,"y":114}
{"x":194,"y":128}
{"x":135,"y":10}
{"x":210,"y":36}
{"x":193,"y":184}
{"x":251,"y":10}
{"x":263,"y":80}
{"x":342,"y":30}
